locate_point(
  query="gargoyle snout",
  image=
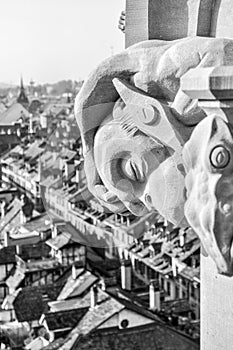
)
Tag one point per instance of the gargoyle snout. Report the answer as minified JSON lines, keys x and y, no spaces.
{"x":223,"y":228}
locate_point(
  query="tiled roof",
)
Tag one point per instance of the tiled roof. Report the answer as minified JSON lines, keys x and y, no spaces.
{"x":57,"y":321}
{"x":13,"y":114}
{"x":14,"y":280}
{"x":55,"y":345}
{"x":77,"y":235}
{"x":11,"y":221}
{"x":7,"y":255}
{"x":76,"y":302}
{"x":16,"y":333}
{"x":177,"y":306}
{"x":37,"y":343}
{"x":9,"y":139}
{"x":92,"y":319}
{"x":13,"y":211}
{"x":147,"y":337}
{"x":31,"y":302}
{"x":76,"y":287}
{"x":7,"y":303}
{"x":40,"y":265}
{"x":38,"y":223}
{"x":60,"y":241}
{"x":69,"y":304}
{"x":16,"y":150}
{"x":190,"y":273}
{"x":34,"y":150}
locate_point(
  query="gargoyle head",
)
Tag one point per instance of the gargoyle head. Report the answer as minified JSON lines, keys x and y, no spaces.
{"x":208,"y":161}
{"x":137,"y":155}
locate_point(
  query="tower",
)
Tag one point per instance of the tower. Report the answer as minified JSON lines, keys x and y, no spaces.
{"x":22,"y":98}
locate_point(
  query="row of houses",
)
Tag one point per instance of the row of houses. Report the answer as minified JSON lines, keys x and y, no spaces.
{"x":75,"y":277}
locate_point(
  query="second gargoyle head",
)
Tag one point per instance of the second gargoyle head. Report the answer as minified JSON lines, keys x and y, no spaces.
{"x":208,"y":161}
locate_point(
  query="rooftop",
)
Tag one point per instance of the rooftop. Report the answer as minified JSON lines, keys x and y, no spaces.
{"x":92,"y":319}
{"x":32,"y":302}
{"x":13,"y":114}
{"x":63,"y":320}
{"x":7,"y":255}
{"x":76,"y":287}
{"x":60,"y":241}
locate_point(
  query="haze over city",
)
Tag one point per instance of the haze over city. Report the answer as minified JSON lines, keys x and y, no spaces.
{"x":52,"y":40}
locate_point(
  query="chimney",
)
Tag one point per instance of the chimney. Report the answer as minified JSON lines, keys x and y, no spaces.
{"x":154,"y":296}
{"x":74,"y":273}
{"x":3,"y":209}
{"x":69,"y":168}
{"x":94,"y":296}
{"x":103,"y":284}
{"x":77,"y":171}
{"x":43,"y":236}
{"x":77,"y":176}
{"x":18,"y":249}
{"x":126,"y":278}
{"x":7,"y":238}
{"x":43,"y":121}
{"x":30,"y":124}
{"x":55,"y":156}
{"x":22,"y":217}
{"x":174,"y":267}
{"x":54,"y":231}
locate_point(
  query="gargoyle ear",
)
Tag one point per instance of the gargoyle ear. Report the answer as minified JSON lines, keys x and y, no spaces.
{"x":129,"y":93}
{"x":146,"y":110}
{"x":198,"y":141}
{"x":219,"y":129}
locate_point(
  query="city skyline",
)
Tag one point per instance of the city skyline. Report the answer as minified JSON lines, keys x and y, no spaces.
{"x":49,"y":41}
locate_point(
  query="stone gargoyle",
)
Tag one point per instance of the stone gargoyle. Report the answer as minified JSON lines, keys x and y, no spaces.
{"x":145,"y":140}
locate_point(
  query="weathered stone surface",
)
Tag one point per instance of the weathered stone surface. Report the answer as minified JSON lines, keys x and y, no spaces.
{"x":134,"y":120}
{"x":221,"y":21}
{"x":208,"y":161}
{"x":216,"y":307}
{"x":214,"y":83}
{"x":170,"y":20}
{"x":132,"y":159}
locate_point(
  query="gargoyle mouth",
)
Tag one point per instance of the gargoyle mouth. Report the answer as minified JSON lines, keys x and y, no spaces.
{"x":223,"y":234}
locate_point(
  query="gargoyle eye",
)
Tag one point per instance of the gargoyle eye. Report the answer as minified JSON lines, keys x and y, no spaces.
{"x":132,"y":170}
{"x":219,"y":157}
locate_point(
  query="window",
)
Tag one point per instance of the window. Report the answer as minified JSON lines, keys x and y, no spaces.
{"x":192,"y":291}
{"x":177,"y":292}
{"x":168,"y":288}
{"x":162,"y":283}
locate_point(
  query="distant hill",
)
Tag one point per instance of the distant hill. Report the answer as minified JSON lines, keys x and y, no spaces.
{"x":59,"y":88}
{"x":6,"y":86}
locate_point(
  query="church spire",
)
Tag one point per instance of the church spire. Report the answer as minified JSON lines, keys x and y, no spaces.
{"x":21,"y":83}
{"x":22,"y":98}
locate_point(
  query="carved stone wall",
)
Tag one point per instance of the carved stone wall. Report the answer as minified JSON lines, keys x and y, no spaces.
{"x":170,"y":19}
{"x":167,"y":19}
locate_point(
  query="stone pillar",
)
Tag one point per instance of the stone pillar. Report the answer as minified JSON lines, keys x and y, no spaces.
{"x":221,"y":23}
{"x":166,"y":19}
{"x":216,"y":308}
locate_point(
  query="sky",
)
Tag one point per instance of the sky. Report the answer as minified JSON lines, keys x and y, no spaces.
{"x":52,"y":40}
